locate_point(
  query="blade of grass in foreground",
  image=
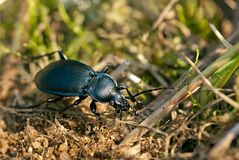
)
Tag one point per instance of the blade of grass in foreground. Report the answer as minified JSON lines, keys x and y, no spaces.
{"x":186,"y":91}
{"x":219,"y":79}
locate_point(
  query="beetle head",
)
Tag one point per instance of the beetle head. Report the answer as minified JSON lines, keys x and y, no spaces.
{"x":119,"y":102}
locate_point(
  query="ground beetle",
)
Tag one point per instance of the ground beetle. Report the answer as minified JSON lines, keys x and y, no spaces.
{"x":66,"y":78}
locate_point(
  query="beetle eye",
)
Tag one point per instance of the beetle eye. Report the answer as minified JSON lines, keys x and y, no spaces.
{"x":112,"y":103}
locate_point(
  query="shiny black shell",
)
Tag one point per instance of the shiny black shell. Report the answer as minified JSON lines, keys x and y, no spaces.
{"x":102,"y":87}
{"x":64,"y":78}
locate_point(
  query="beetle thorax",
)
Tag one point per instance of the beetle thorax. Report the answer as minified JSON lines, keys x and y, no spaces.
{"x":101,"y":87}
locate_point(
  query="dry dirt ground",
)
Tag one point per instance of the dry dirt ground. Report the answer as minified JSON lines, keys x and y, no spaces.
{"x":40,"y":133}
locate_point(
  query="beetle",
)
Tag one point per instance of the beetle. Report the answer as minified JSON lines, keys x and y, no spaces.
{"x":70,"y":78}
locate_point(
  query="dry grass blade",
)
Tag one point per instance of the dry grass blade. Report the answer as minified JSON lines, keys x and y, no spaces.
{"x":164,"y":13}
{"x":219,"y":36}
{"x":222,"y":146}
{"x":209,"y":105}
{"x":186,"y":91}
{"x":209,"y":84}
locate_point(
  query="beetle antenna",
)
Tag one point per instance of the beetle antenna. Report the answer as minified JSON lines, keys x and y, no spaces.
{"x":31,"y":106}
{"x":135,"y":111}
{"x":146,"y":91}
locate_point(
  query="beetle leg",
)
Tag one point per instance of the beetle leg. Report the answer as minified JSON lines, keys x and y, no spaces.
{"x":121,"y":114}
{"x":61,"y":54}
{"x":54,"y":100}
{"x":49,"y":100}
{"x":119,"y":111}
{"x":93,"y":108}
{"x":92,"y":74}
{"x":135,"y":111}
{"x":35,"y":105}
{"x":76,"y":102}
{"x":105,"y":69}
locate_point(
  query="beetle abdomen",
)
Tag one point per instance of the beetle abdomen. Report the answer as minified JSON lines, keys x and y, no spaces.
{"x":64,"y":78}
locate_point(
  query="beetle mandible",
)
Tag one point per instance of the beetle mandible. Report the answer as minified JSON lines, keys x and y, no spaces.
{"x":66,"y":78}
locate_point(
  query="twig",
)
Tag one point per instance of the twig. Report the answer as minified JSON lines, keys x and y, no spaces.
{"x":153,"y":69}
{"x":137,"y":125}
{"x":222,"y":146}
{"x":108,"y":60}
{"x":164,"y":13}
{"x":219,"y":36}
{"x":234,"y":35}
{"x":120,"y":69}
{"x":236,"y":17}
{"x":215,"y":51}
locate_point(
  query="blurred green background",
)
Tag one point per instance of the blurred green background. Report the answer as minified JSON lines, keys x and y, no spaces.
{"x":91,"y":29}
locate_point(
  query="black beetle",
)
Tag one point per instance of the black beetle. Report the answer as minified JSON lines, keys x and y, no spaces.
{"x":66,"y":78}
